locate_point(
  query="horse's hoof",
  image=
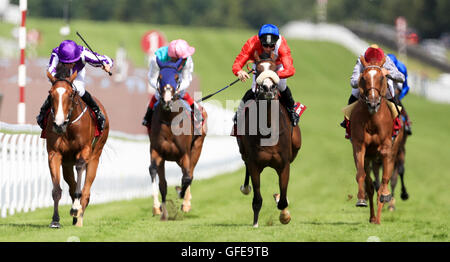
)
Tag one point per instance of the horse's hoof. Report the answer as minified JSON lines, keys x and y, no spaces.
{"x":255,"y":225}
{"x":391,"y":208}
{"x":246,"y":189}
{"x":55,"y":224}
{"x":285,"y":217}
{"x":373,"y":220}
{"x":386,"y":198}
{"x":404,"y":196}
{"x":361,"y":203}
{"x":156,"y":211}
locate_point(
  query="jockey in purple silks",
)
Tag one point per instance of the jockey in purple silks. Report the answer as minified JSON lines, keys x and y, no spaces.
{"x":74,"y":58}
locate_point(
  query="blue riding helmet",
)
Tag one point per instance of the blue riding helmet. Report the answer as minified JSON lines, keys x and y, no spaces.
{"x":269,"y":34}
{"x":269,"y":29}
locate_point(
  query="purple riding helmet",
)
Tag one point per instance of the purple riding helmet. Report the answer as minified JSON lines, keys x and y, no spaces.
{"x":69,"y":52}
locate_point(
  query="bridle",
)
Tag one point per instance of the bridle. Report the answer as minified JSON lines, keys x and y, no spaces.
{"x":72,"y":101}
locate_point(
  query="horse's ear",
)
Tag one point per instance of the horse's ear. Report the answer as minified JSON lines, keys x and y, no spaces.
{"x":178,"y":63}
{"x":256,"y":56}
{"x":363,"y":61}
{"x":73,"y":76}
{"x":51,"y":77}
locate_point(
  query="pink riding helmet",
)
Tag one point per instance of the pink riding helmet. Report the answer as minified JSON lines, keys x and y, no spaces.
{"x":180,"y":49}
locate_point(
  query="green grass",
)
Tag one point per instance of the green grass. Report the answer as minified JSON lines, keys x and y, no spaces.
{"x":322,"y":177}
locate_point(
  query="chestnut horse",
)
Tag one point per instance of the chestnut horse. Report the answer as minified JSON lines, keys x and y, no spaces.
{"x":71,"y":140}
{"x":268,"y":138}
{"x":173,"y":137}
{"x":372,"y":141}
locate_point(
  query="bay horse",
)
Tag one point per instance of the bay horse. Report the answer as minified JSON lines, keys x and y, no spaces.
{"x":72,"y":141}
{"x":372,"y":141}
{"x":173,"y":137}
{"x":261,"y":148}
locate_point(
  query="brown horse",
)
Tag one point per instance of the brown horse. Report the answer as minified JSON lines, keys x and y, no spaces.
{"x":173,"y":138}
{"x":371,"y":129}
{"x":268,"y":138}
{"x":71,"y":140}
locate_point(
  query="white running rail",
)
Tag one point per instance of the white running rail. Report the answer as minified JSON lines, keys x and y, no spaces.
{"x":25,"y":182}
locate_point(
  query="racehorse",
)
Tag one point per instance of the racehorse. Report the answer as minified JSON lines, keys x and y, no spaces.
{"x":71,"y":140}
{"x":371,"y":128}
{"x":257,"y":147}
{"x":173,"y":137}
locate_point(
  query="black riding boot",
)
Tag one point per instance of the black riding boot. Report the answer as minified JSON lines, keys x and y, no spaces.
{"x":148,"y":117}
{"x":87,"y":98}
{"x":44,"y":108}
{"x":247,"y":96}
{"x":287,"y":99}
{"x":351,"y":100}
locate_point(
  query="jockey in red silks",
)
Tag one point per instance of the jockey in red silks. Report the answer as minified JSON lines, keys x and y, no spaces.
{"x":74,"y":57}
{"x":177,"y":49}
{"x":268,"y":40}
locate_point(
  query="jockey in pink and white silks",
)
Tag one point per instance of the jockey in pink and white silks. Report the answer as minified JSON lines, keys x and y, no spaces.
{"x":73,"y":58}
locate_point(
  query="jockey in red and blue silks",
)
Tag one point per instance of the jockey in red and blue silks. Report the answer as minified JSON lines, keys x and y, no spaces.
{"x":403,"y":89}
{"x":177,"y":49}
{"x":74,"y":57}
{"x":268,"y":40}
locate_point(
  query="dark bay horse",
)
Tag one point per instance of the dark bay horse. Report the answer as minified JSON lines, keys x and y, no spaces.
{"x":173,"y":137}
{"x":71,"y":141}
{"x":371,"y":128}
{"x":268,"y":138}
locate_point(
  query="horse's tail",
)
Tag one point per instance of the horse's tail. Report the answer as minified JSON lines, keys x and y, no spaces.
{"x":246,"y":188}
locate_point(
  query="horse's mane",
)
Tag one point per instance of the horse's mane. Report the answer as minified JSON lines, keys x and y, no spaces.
{"x":62,"y":71}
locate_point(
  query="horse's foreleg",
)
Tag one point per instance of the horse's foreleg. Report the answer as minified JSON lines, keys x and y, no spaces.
{"x":383,"y":194}
{"x":394,"y":180}
{"x":246,"y":188}
{"x":186,"y":180}
{"x":91,"y":172}
{"x":70,"y":180}
{"x":163,"y":189}
{"x":283,"y":177}
{"x":257,"y":198}
{"x":359,"y":154}
{"x":186,"y":206}
{"x":401,"y":171}
{"x":54,"y":162}
{"x":370,"y":192}
{"x":155,"y":191}
{"x":76,"y":209}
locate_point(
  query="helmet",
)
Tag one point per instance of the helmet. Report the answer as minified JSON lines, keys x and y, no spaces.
{"x":374,"y":54}
{"x":180,"y":49}
{"x":268,"y":34}
{"x":69,"y":51}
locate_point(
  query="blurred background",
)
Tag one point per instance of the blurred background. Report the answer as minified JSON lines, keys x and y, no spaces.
{"x":418,"y":31}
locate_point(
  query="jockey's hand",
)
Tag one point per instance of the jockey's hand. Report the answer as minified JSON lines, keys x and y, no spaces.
{"x":107,"y":68}
{"x":242,"y":75}
{"x":385,"y":71}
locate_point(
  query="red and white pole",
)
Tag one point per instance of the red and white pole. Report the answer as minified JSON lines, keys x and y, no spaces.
{"x":22,"y":76}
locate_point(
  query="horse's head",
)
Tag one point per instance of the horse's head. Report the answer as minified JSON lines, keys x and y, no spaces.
{"x":266,"y":77}
{"x":168,"y":82}
{"x":372,"y":84}
{"x":62,"y":95}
